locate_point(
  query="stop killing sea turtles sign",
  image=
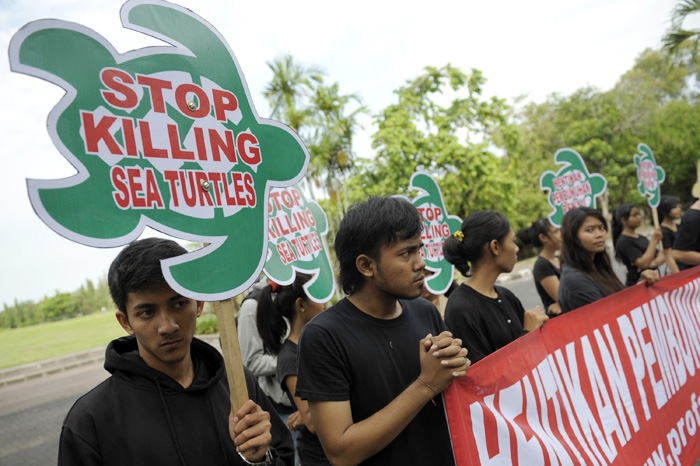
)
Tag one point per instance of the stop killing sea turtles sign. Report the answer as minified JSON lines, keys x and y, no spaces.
{"x":165,"y":137}
{"x":572,"y":186}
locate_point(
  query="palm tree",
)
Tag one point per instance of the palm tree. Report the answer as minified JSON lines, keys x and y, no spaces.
{"x":676,"y":35}
{"x":291,"y":84}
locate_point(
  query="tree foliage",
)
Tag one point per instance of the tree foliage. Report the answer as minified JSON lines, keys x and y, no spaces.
{"x":62,"y":305}
{"x":442,"y":124}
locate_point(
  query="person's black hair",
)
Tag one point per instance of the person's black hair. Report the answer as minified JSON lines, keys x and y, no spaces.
{"x":666,"y":204}
{"x":531,"y":234}
{"x":366,"y":228}
{"x":478,"y":229}
{"x":622,"y":212}
{"x":137,"y":268}
{"x":572,"y":252}
{"x":273,"y":307}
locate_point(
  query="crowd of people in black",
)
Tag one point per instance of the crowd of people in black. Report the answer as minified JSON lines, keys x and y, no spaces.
{"x":364,"y":377}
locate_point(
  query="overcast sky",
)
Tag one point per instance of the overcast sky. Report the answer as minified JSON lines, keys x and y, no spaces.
{"x":368,"y":47}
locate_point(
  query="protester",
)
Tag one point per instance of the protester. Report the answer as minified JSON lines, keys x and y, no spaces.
{"x":686,"y":248}
{"x":587,"y":274}
{"x":278,"y":304}
{"x":167,"y":401}
{"x":669,"y":212}
{"x":636,"y":252}
{"x":547,"y":269}
{"x":262,"y":364}
{"x":368,"y":366}
{"x":484,"y":315}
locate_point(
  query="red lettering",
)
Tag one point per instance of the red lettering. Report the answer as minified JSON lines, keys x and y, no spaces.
{"x":153,"y":198}
{"x":135,"y":187}
{"x":181,"y":100}
{"x":95,"y":134}
{"x":297,"y":196}
{"x":171,"y":177}
{"x":223,"y":101}
{"x":117,"y":81}
{"x":217,"y":144}
{"x":250,"y":189}
{"x":204,"y":196}
{"x":175,"y":148}
{"x":129,"y":137}
{"x":248,"y":148}
{"x":121,"y":195}
{"x":155,"y":87}
{"x":148,"y":149}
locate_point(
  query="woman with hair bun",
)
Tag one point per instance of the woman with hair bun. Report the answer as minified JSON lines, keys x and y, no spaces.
{"x":275,"y":304}
{"x":636,"y":252}
{"x":547,"y":269}
{"x":669,"y":212}
{"x":484,"y":315}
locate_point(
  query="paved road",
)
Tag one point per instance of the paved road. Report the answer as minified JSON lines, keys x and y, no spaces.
{"x":31,"y":414}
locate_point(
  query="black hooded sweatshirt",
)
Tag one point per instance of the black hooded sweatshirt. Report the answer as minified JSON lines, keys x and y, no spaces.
{"x":140,"y":416}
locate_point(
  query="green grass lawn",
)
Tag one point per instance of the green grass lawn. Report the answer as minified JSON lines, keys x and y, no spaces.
{"x":37,"y":342}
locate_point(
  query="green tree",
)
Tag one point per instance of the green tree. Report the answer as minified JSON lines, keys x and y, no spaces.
{"x":443,"y":125}
{"x":676,"y":35}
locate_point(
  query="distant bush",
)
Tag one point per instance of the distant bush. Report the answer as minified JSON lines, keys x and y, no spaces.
{"x":207,"y":324}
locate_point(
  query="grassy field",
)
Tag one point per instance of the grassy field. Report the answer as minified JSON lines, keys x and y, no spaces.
{"x":28,"y":344}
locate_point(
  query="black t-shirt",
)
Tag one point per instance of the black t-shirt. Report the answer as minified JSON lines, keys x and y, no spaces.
{"x":348,"y":355}
{"x":576,"y":289}
{"x":310,"y":449}
{"x":669,"y":237}
{"x":688,"y":236}
{"x":484,"y":324}
{"x":630,"y":249}
{"x":543,"y":269}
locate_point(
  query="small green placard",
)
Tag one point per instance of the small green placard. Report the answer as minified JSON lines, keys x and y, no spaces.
{"x":572,"y":186}
{"x":296,"y":232}
{"x":437,"y":226}
{"x":649,"y":175}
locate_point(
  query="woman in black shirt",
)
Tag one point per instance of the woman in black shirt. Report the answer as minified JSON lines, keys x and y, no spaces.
{"x":669,"y":212}
{"x":633,"y":250}
{"x":587,"y":274}
{"x":547,"y":269}
{"x":275,"y":304}
{"x":486,"y":316}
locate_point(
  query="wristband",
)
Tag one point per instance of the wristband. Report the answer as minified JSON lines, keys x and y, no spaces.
{"x":431,"y":389}
{"x":267,"y":461}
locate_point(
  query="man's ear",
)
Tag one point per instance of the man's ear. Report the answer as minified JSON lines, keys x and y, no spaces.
{"x":365,"y":265}
{"x":200,"y":308}
{"x":124,"y":322}
{"x":495,"y":247}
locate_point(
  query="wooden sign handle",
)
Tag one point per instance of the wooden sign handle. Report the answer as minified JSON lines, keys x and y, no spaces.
{"x":655,"y":217}
{"x":232,"y":353}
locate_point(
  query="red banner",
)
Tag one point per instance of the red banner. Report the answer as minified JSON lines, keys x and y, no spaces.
{"x":614,"y":383}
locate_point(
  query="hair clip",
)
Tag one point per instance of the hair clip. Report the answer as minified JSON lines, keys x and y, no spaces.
{"x":274,"y":287}
{"x":459,"y":235}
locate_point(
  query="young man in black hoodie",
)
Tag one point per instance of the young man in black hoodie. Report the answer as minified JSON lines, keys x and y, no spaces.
{"x":167,"y":401}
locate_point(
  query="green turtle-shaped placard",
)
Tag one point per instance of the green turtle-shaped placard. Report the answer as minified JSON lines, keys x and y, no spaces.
{"x":649,"y":175}
{"x":437,"y":226}
{"x":572,"y":186}
{"x":165,"y":137}
{"x":297,"y":229}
